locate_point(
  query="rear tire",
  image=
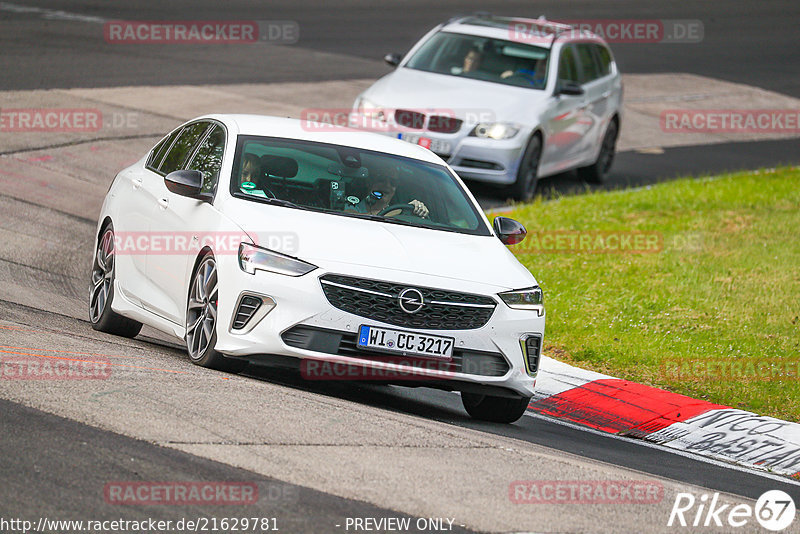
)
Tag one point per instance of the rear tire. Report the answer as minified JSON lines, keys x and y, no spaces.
{"x":201,"y":320}
{"x":494,"y":409}
{"x":598,"y":171}
{"x":528,"y":173}
{"x":101,"y":291}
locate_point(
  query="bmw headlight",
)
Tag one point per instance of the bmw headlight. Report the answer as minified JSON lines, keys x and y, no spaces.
{"x":531,"y":298}
{"x":253,"y":258}
{"x":369,"y":109}
{"x":495,"y":130}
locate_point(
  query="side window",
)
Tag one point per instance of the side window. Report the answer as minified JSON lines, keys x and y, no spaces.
{"x":567,"y":69}
{"x":604,"y":56}
{"x":158,"y":152}
{"x":182,"y":147}
{"x":588,"y":68}
{"x":208,"y":158}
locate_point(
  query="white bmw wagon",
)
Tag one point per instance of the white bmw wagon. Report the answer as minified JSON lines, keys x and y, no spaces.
{"x":503,"y":100}
{"x":262,"y":240}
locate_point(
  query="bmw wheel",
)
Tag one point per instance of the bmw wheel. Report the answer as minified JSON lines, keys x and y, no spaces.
{"x":101,"y":291}
{"x":201,"y":319}
{"x":598,"y":172}
{"x":528,"y":173}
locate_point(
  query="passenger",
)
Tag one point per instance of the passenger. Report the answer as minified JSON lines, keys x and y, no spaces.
{"x":471,"y":62}
{"x":251,"y":171}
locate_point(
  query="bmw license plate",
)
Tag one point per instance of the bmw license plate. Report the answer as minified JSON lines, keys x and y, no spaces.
{"x":407,"y":343}
{"x":434,"y":145}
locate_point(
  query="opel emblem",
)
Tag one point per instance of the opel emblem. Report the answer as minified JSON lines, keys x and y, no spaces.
{"x":410,"y":300}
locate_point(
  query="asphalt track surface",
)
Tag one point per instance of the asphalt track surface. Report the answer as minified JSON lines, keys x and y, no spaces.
{"x":44,"y":53}
{"x":42,"y":483}
{"x":745,"y":42}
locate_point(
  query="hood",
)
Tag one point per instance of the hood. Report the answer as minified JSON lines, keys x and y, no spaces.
{"x":414,"y":89}
{"x":350,"y":246}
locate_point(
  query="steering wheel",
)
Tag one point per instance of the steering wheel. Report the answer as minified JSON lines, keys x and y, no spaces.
{"x":396,"y":209}
{"x":524,"y":76}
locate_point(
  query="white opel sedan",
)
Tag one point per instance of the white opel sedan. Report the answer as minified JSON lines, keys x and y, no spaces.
{"x":503,"y":100}
{"x":351,"y":255}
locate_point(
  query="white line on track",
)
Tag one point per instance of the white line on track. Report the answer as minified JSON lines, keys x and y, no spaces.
{"x":678,"y":452}
{"x":51,"y":14}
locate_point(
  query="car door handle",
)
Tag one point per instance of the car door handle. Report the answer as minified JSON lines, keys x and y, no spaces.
{"x":606,"y":94}
{"x":163,"y":202}
{"x":137,"y":183}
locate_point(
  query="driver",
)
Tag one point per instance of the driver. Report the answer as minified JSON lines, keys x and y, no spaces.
{"x":381,"y":195}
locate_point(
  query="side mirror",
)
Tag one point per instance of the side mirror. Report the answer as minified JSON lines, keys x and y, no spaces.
{"x":393,"y":59}
{"x":187,"y":184}
{"x":509,"y":231}
{"x":569,"y":89}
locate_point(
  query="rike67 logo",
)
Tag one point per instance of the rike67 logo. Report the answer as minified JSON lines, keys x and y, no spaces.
{"x":774,"y":511}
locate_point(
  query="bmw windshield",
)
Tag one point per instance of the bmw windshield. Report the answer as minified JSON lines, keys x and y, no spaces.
{"x":352,"y":182}
{"x":483,"y":58}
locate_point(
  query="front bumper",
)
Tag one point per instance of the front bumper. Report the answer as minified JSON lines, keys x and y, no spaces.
{"x":301,"y":303}
{"x":474,"y":158}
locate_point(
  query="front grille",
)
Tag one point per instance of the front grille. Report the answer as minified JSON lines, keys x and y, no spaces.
{"x":443,"y":124}
{"x":344,"y":344}
{"x":248,"y":305}
{"x":379,"y":301}
{"x":409,"y":118}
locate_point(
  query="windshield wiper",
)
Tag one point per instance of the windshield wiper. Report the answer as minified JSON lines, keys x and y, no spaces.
{"x":281,"y":202}
{"x":392,"y":220}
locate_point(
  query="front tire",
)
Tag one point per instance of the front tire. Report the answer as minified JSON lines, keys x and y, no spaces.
{"x":201,"y":320}
{"x":528,"y":173}
{"x":101,"y":291}
{"x":494,"y":409}
{"x":598,"y":171}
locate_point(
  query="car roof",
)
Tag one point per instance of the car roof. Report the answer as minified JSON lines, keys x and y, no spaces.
{"x":307,"y":130}
{"x":540,"y":32}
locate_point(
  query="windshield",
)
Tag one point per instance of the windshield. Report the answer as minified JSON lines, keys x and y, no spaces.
{"x":352,"y":182}
{"x":482,"y":58}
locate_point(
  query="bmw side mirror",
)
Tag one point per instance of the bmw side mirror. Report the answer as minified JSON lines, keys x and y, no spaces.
{"x":509,"y":231}
{"x":392,"y":59}
{"x":569,"y":89}
{"x":187,"y":184}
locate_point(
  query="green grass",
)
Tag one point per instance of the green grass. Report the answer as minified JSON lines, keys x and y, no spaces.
{"x":725,"y":287}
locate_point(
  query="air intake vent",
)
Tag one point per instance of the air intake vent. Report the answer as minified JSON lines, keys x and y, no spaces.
{"x":533,"y":351}
{"x":248,"y":305}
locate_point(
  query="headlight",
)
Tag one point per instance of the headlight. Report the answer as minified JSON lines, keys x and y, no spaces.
{"x":253,"y":258}
{"x":370,"y":109}
{"x":495,"y":130}
{"x":525,"y":299}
